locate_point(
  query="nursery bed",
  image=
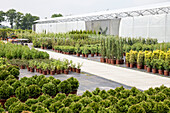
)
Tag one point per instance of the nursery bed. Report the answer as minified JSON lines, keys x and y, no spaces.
{"x":87,"y":81}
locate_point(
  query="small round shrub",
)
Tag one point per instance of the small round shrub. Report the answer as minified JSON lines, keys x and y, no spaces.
{"x":2,"y":110}
{"x":76,"y":107}
{"x":113,"y":100}
{"x":103,"y":94}
{"x":15,"y":72}
{"x":12,"y":106}
{"x":96,"y":91}
{"x":118,"y":89}
{"x":41,"y":109}
{"x":111,"y":92}
{"x":10,"y":77}
{"x":43,"y":81}
{"x":105,"y":103}
{"x":96,"y":98}
{"x":85,"y":101}
{"x":56,"y":106}
{"x":136,"y":109}
{"x":11,"y":67}
{"x":74,"y":83}
{"x":22,"y":93}
{"x":60,"y":96}
{"x":64,"y":87}
{"x":30,"y":102}
{"x":10,"y":81}
{"x":49,"y":89}
{"x":167,"y":102}
{"x":56,"y":82}
{"x":65,"y":110}
{"x":166,"y":91}
{"x":1,"y":82}
{"x":6,"y":91}
{"x":134,"y":91}
{"x":87,"y":94}
{"x":43,"y":97}
{"x":48,"y":102}
{"x":102,"y":110}
{"x":132,"y":100}
{"x":29,"y":82}
{"x":34,"y":91}
{"x":147,"y":106}
{"x":16,"y":84}
{"x":22,"y":80}
{"x":160,"y":97}
{"x":21,"y":107}
{"x":4,"y":74}
{"x":67,"y":101}
{"x":160,"y":107}
{"x":10,"y":101}
{"x":75,"y":97}
{"x":87,"y":110}
{"x":95,"y":106}
{"x":35,"y":106}
{"x":51,"y":78}
{"x":39,"y":78}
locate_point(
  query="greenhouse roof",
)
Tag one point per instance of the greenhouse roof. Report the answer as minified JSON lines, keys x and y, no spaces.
{"x":155,"y":9}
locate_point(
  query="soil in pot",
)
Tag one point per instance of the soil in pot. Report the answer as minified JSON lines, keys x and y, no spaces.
{"x":52,"y":72}
{"x":166,"y":72}
{"x":160,"y":72}
{"x":78,"y":70}
{"x":131,"y":65}
{"x":74,"y":69}
{"x":78,"y":54}
{"x":86,"y":55}
{"x":92,"y":55}
{"x":102,"y":60}
{"x":44,"y":72}
{"x":112,"y":61}
{"x":66,"y":71}
{"x":127,"y":64}
{"x":22,"y":67}
{"x":148,"y":69}
{"x":154,"y":71}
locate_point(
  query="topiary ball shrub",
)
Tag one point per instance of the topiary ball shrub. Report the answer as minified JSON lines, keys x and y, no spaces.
{"x":22,"y":80}
{"x":96,"y":91}
{"x":74,"y":83}
{"x":10,"y":101}
{"x":43,"y":81}
{"x":105,"y":103}
{"x":95,"y":106}
{"x":11,"y":67}
{"x":31,"y":102}
{"x":136,"y":109}
{"x":103,"y":94}
{"x":60,"y":96}
{"x":87,"y":110}
{"x":15,"y":72}
{"x":21,"y":107}
{"x":113,"y":100}
{"x":11,"y":81}
{"x":56,"y":106}
{"x":49,"y":89}
{"x":67,"y":101}
{"x":6,"y":91}
{"x":39,"y":78}
{"x":111,"y":92}
{"x":22,"y":93}
{"x":56,"y":82}
{"x":4,"y":74}
{"x":96,"y":98}
{"x":34,"y":91}
{"x":160,"y":107}
{"x":64,"y":87}
{"x":48,"y":102}
{"x":10,"y":77}
{"x":65,"y":110}
{"x":41,"y":109}
{"x":87,"y":94}
{"x":35,"y":106}
{"x":12,"y":106}
{"x":85,"y":101}
{"x":16,"y":84}
{"x":43,"y":97}
{"x":76,"y":107}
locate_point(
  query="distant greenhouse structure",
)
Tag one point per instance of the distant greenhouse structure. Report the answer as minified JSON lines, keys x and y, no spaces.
{"x":147,"y":21}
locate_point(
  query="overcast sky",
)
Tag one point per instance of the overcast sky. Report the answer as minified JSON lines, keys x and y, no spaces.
{"x":45,"y":8}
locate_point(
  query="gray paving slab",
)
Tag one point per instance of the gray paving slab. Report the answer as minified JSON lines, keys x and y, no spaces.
{"x":129,"y":77}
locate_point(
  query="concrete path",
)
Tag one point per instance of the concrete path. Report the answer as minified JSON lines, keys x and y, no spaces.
{"x":129,"y":77}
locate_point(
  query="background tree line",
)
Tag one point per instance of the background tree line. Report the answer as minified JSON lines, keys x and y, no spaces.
{"x":18,"y":20}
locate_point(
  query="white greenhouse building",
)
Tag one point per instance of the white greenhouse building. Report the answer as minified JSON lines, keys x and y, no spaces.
{"x":147,"y":21}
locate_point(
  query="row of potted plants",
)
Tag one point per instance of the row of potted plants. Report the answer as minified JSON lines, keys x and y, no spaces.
{"x":35,"y":86}
{"x":98,"y":101}
{"x":158,"y":61}
{"x":13,"y":51}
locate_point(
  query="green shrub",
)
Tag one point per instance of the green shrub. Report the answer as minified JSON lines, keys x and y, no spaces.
{"x":22,"y":80}
{"x":95,"y":106}
{"x":48,"y":102}
{"x":43,"y":81}
{"x":12,"y":106}
{"x":134,"y":91}
{"x":49,"y":89}
{"x":16,"y":84}
{"x":6,"y":91}
{"x":76,"y":107}
{"x":85,"y":101}
{"x":15,"y":72}
{"x":74,"y":83}
{"x":103,"y":94}
{"x":30,"y":102}
{"x":22,"y":93}
{"x":102,"y":110}
{"x":35,"y":106}
{"x":34,"y":91}
{"x":105,"y":103}
{"x":10,"y":77}
{"x":111,"y":92}
{"x":41,"y":109}
{"x":12,"y":67}
{"x":11,"y":81}
{"x":147,"y":106}
{"x":87,"y":110}
{"x":96,"y":98}
{"x":20,"y":107}
{"x":96,"y":91}
{"x":136,"y":109}
{"x":132,"y":100}
{"x":161,"y":108}
{"x":160,"y":97}
{"x":43,"y":97}
{"x":10,"y":101}
{"x":65,"y":110}
{"x":113,"y":100}
{"x":87,"y":94}
{"x":56,"y":106}
{"x":64,"y":87}
{"x":60,"y":97}
{"x":67,"y":101}
{"x":56,"y":82}
{"x":4,"y":74}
